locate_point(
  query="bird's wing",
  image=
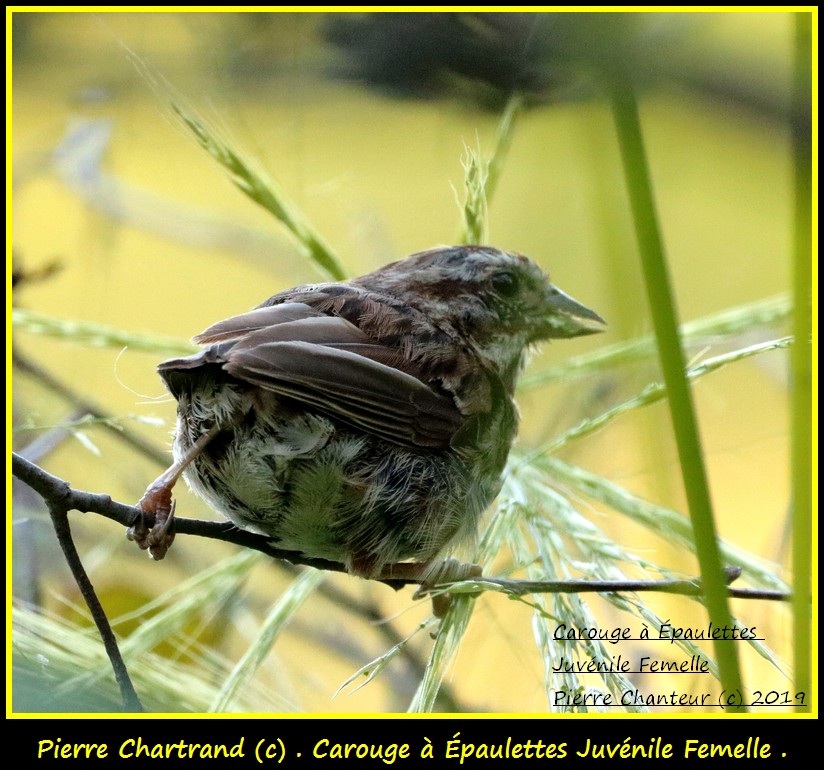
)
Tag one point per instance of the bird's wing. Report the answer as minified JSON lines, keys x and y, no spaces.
{"x":238,"y":326}
{"x":329,"y":364}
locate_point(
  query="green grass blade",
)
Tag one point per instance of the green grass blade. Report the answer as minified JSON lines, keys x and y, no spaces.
{"x":454,"y":624}
{"x":665,"y":522}
{"x":481,"y":176}
{"x":365,"y":674}
{"x":662,"y":305}
{"x":97,"y":335}
{"x":279,"y":616}
{"x":652,"y":393}
{"x":764,"y":313}
{"x":257,"y":186}
{"x":801,"y":359}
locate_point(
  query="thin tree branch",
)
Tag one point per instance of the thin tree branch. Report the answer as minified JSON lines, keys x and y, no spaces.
{"x":62,"y":528}
{"x":683,"y":587}
{"x":54,"y":489}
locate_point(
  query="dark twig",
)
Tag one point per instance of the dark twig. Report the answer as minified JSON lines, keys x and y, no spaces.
{"x":682,"y":587}
{"x":60,"y":520}
{"x":52,"y":488}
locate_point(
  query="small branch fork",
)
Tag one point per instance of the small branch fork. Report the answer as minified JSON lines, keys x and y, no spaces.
{"x":60,"y":498}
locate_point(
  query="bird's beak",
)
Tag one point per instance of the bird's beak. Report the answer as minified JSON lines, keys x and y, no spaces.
{"x":567,"y":318}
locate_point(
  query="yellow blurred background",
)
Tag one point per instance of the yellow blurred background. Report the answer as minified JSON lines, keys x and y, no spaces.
{"x":150,"y":236}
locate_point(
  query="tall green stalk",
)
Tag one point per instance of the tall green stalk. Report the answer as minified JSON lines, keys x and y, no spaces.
{"x":801,"y":359}
{"x":673,"y":365}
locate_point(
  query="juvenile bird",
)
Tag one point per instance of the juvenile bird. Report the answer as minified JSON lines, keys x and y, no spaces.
{"x":366,"y":421}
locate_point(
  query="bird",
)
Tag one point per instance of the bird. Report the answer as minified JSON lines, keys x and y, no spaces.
{"x":365,"y":421}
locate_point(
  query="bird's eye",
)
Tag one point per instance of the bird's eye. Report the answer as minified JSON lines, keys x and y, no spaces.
{"x":505,"y":284}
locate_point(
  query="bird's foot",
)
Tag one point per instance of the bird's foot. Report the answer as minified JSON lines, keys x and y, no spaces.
{"x":156,"y":502}
{"x":430,"y":575}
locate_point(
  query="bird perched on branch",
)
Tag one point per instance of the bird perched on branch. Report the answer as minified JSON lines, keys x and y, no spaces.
{"x":367,"y":421}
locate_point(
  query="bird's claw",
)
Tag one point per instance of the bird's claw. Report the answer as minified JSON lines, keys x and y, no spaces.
{"x":449,"y":571}
{"x":157,"y":539}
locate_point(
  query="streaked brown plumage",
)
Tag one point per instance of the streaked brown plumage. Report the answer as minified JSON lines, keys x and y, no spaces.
{"x":367,"y":421}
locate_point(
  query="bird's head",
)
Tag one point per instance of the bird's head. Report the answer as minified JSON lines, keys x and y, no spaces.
{"x":499,"y":302}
